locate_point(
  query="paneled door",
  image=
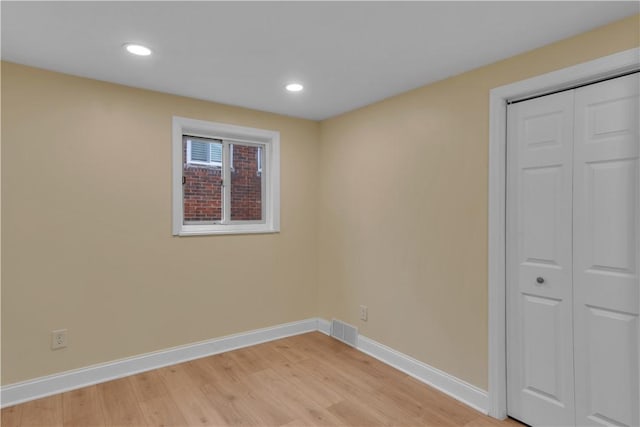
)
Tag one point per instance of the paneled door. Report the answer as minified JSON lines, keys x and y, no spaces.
{"x":573,"y":245}
{"x":539,"y":260}
{"x":605,"y":285}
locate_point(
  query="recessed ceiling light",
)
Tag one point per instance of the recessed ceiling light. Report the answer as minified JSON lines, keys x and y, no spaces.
{"x":137,"y":49}
{"x":294,"y":87}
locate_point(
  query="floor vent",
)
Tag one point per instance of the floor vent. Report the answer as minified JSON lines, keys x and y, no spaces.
{"x":344,"y":332}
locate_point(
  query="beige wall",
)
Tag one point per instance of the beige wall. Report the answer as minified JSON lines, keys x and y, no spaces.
{"x":384,"y":206}
{"x":403,"y":219}
{"x":86,"y":221}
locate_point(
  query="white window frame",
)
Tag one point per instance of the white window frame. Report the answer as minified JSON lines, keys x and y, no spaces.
{"x":268,"y":139}
{"x":259,"y":161}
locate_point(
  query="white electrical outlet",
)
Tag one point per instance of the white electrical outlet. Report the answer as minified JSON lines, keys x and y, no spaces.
{"x":58,"y":339}
{"x":364,"y":312}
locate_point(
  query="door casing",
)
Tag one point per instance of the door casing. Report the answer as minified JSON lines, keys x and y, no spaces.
{"x":592,"y":71}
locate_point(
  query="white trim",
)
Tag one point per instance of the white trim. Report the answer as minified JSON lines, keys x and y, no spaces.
{"x":607,"y":66}
{"x":209,"y":164}
{"x":324,"y":326}
{"x":271,"y":142}
{"x":497,"y":263}
{"x":446,"y":383}
{"x":13,"y":394}
{"x":226,"y":186}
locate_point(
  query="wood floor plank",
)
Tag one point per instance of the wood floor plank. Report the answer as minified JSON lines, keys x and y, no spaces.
{"x":221,"y":367}
{"x":195,"y":407}
{"x":81,"y":408}
{"x":337,"y":374}
{"x":485,"y":421}
{"x":239,"y":407}
{"x":437,"y":404}
{"x":364,"y":370}
{"x":157,"y":405}
{"x":43,"y":412}
{"x":295,"y":423}
{"x":312,"y":387}
{"x":119,"y":404}
{"x":317,"y":343}
{"x":270,"y":355}
{"x":303,"y":380}
{"x":289,"y":350}
{"x":384,"y":401}
{"x":371,"y":367}
{"x":353,"y":414}
{"x":199,"y":372}
{"x":11,"y":416}
{"x":248,"y":360}
{"x":276,"y":389}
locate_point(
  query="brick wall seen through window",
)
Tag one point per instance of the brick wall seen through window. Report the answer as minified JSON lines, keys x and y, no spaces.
{"x":202,"y":189}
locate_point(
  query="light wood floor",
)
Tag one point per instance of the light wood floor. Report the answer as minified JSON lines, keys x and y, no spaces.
{"x":308,"y":380}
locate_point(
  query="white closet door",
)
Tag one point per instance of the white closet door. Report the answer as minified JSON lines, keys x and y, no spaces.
{"x":606,"y":248}
{"x":539,"y":261}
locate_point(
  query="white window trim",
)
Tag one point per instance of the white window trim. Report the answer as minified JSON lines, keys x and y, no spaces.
{"x":271,"y":191}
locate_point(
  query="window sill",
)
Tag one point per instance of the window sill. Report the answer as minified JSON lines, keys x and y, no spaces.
{"x":208,"y":230}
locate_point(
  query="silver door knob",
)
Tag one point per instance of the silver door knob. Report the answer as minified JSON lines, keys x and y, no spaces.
{"x":540,"y":280}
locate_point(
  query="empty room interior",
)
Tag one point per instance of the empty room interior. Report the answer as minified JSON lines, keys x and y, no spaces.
{"x":320,"y":213}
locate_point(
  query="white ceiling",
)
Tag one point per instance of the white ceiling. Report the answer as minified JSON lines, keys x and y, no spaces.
{"x":347,"y":54}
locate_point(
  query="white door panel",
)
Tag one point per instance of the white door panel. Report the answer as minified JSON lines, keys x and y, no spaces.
{"x":610,"y":194}
{"x":539,"y":355}
{"x":543,"y":185}
{"x":573,"y":248}
{"x":610,"y":355}
{"x":606,"y":253}
{"x":542,"y":349}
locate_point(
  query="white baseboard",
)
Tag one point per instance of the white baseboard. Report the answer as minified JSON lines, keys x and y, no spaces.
{"x":324,"y":326}
{"x":58,"y":383}
{"x":13,"y":394}
{"x":446,"y":383}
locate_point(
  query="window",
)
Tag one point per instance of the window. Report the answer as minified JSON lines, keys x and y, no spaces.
{"x":226,"y":179}
{"x":202,"y":151}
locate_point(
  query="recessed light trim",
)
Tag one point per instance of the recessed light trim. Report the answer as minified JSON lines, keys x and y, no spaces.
{"x":137,"y":49}
{"x":294,"y":87}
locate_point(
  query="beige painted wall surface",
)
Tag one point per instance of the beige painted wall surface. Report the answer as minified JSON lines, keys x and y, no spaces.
{"x":86,"y":228}
{"x":396,"y":193}
{"x":403,"y":197}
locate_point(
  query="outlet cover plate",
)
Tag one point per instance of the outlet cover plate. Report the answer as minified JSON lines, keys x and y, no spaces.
{"x":364,"y":313}
{"x":58,"y":339}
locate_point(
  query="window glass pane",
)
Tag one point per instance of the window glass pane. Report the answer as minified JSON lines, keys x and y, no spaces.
{"x":202,"y":182}
{"x":246,"y":183}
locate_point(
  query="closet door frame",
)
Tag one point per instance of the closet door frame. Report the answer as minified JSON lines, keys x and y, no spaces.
{"x":588,"y":72}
